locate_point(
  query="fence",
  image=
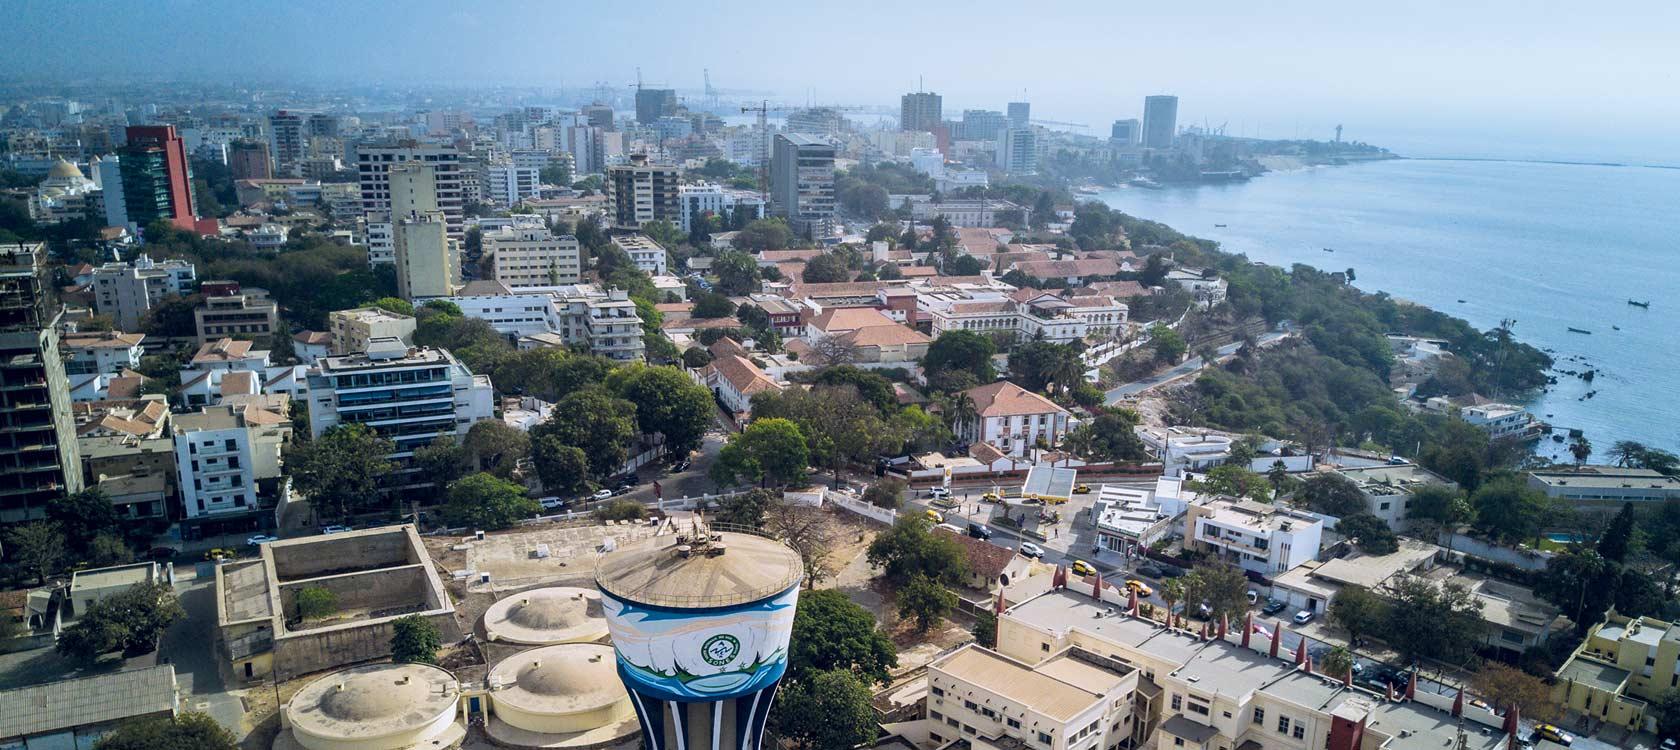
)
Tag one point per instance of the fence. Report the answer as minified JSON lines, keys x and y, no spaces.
{"x":1525,"y":559}
{"x":848,"y":502}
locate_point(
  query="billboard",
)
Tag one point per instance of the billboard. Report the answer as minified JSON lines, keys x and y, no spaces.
{"x":701,"y":654}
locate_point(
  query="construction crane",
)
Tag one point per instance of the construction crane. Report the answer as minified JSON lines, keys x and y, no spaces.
{"x":763,"y":111}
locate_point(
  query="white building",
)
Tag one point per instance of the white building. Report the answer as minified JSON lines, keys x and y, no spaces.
{"x":605,"y":321}
{"x":373,"y":166}
{"x":221,"y":451}
{"x":268,"y":236}
{"x":1207,"y":290}
{"x":108,"y":352}
{"x":1073,"y":700}
{"x":533,"y":257}
{"x":715,"y":200}
{"x":506,"y":183}
{"x":352,"y":329}
{"x":1503,"y":421}
{"x":1026,"y":314}
{"x":1605,"y":485}
{"x":1012,"y":419}
{"x":1130,"y":519}
{"x":127,"y":291}
{"x":1388,"y":488}
{"x":1266,"y":539}
{"x":648,"y":256}
{"x":965,"y":212}
{"x":1017,"y":151}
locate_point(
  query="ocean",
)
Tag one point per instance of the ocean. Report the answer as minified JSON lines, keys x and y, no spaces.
{"x":1553,"y":246}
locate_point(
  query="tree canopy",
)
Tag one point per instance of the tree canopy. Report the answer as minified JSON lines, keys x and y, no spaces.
{"x":830,"y":631}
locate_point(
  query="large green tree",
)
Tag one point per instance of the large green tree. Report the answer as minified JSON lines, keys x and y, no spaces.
{"x":1510,"y":510}
{"x":670,"y":403}
{"x":910,"y":548}
{"x":830,"y":631}
{"x":1433,"y":620}
{"x":961,"y":350}
{"x":925,"y":600}
{"x":484,"y":501}
{"x":415,"y":640}
{"x":1359,"y":611}
{"x":131,"y":621}
{"x":340,"y":471}
{"x":599,"y":423}
{"x":1223,"y":588}
{"x":824,"y":711}
{"x":1371,"y":533}
{"x":190,"y":730}
{"x":769,"y":450}
{"x":563,"y":469}
{"x":1332,"y":494}
{"x":496,"y":447}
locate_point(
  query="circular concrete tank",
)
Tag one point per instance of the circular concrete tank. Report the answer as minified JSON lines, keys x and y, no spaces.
{"x":547,"y":616}
{"x":376,"y":707}
{"x":561,"y":689}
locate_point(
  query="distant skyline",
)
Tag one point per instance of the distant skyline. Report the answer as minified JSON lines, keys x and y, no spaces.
{"x":1499,"y":78}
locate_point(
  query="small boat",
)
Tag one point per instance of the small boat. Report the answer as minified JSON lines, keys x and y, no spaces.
{"x":1615,"y":328}
{"x":1329,"y":250}
{"x":1219,"y":226}
{"x":1580,"y":330}
{"x":1637,"y":303}
{"x":1461,"y":302}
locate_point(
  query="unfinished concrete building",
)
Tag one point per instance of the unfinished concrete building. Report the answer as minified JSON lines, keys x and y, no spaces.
{"x":374,"y":577}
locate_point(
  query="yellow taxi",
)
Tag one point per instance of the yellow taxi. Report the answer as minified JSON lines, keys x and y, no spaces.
{"x":1141,"y":588}
{"x":1083,"y":489}
{"x":991,"y":497}
{"x":1082,"y":568}
{"x":934,"y":516}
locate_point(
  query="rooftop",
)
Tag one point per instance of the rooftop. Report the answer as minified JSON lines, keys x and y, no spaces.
{"x":563,"y":679}
{"x":103,"y":340}
{"x":1004,"y":399}
{"x":56,"y":706}
{"x":373,"y":701}
{"x":660,"y":571}
{"x":1371,"y":571}
{"x":1056,"y":688}
{"x":1594,"y":673}
{"x":1605,"y":477}
{"x":120,"y":575}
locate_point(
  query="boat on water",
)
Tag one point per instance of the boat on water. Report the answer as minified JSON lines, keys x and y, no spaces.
{"x":1461,"y":302}
{"x":1637,"y":303}
{"x":1329,"y":250}
{"x":1580,"y":330}
{"x":1615,"y":328}
{"x":1145,"y":183}
{"x":1219,"y":226}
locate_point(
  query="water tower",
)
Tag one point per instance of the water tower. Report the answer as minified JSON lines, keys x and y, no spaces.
{"x":700,"y":620}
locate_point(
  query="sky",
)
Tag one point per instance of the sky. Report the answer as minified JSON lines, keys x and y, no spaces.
{"x":1485,"y":78}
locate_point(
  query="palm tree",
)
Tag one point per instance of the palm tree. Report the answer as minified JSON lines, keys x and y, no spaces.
{"x":963,"y":412}
{"x":1581,"y":449}
{"x":1172,"y":591}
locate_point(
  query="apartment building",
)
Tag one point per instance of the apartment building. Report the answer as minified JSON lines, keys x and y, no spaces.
{"x":108,"y":352}
{"x":648,"y":256}
{"x":605,"y":321}
{"x":38,"y":452}
{"x":379,"y":196}
{"x":221,"y":452}
{"x":1267,"y":539}
{"x":802,"y":183}
{"x":1605,"y":485}
{"x":1073,"y":700}
{"x":231,"y":311}
{"x":521,"y":257}
{"x":127,"y":291}
{"x":352,"y":329}
{"x":508,"y":183}
{"x":1012,"y":419}
{"x":1388,"y":488}
{"x":408,"y":395}
{"x":1625,"y":665}
{"x":710,"y":199}
{"x":641,"y":191}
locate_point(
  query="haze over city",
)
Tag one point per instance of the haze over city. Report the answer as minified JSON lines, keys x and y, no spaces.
{"x":1502,"y":79}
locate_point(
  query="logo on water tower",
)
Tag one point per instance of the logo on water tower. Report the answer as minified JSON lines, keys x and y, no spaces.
{"x":720,"y":649}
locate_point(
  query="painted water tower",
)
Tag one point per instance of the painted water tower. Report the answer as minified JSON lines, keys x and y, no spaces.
{"x":700,"y":620}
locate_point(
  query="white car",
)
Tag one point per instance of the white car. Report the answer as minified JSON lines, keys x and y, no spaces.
{"x":1303,"y":617}
{"x":1032,"y":550}
{"x":602,"y":495}
{"x":334,"y":529}
{"x":552,"y":503}
{"x":256,"y":540}
{"x":939,"y":492}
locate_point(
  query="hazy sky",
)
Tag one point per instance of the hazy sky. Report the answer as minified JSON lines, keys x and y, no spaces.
{"x":1530,"y":78}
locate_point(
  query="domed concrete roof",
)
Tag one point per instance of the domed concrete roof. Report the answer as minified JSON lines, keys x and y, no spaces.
{"x":64,"y":170}
{"x":378,"y":700}
{"x":564,"y":679}
{"x":547,"y":616}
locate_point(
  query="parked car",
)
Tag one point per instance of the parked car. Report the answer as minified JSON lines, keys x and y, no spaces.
{"x":951,"y":527}
{"x":1032,"y":550}
{"x":602,"y":494}
{"x":1083,"y":489}
{"x":990,"y":497}
{"x":939,"y":492}
{"x":1551,"y":732}
{"x":552,"y":503}
{"x":1168,"y":571}
{"x":1303,"y":617}
{"x":1274,"y":606}
{"x":979,"y":532}
{"x":934,"y":515}
{"x":623,"y":489}
{"x":1253,"y":597}
{"x":1082,"y":568}
{"x":1140,"y":587}
{"x":256,"y":540}
{"x":334,"y":529}
{"x":1149,"y":571}
{"x":680,"y":466}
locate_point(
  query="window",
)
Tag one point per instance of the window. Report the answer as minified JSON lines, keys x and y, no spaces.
{"x":935,"y":715}
{"x":1177,"y":702}
{"x":1384,"y":506}
{"x":1178,"y":742}
{"x":970,"y":705}
{"x":1199,"y":709}
{"x":1300,"y":731}
{"x":1259,"y":715}
{"x":1044,"y":738}
{"x":1045,"y":647}
{"x":1227,"y":714}
{"x":938,"y":691}
{"x":1283,"y":725}
{"x":1013,"y":723}
{"x":952,"y":722}
{"x":1650,"y":661}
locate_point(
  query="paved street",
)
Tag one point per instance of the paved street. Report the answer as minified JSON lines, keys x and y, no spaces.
{"x":1188,"y":367}
{"x":190,"y":646}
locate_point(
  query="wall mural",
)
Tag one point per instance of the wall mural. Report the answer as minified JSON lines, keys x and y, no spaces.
{"x":701,"y":655}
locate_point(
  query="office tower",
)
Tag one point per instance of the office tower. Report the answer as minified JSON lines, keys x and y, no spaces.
{"x":920,"y":111}
{"x":599,"y":116}
{"x":38,"y":455}
{"x":248,"y":160}
{"x":1125,"y":132}
{"x":643,"y":191}
{"x":373,"y":162}
{"x":156,"y":180}
{"x":982,"y":124}
{"x":652,"y":104}
{"x":110,"y":189}
{"x":802,"y":183}
{"x":427,"y":265}
{"x":287,"y":133}
{"x":1160,"y":121}
{"x":1020,"y":114}
{"x":1017,"y":151}
{"x":701,"y":622}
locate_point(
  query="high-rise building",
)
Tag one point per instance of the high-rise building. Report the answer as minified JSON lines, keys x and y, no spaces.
{"x":38,"y":455}
{"x":373,"y":162}
{"x":642,"y":191}
{"x":156,"y":179}
{"x":288,"y":137}
{"x":427,"y":264}
{"x":507,"y":183}
{"x":921,"y":110}
{"x":982,"y":124}
{"x":652,"y":104}
{"x":1160,"y":121}
{"x":1020,"y":114}
{"x":599,"y":116}
{"x":701,"y":630}
{"x":802,"y":183}
{"x":248,"y":160}
{"x":110,"y":189}
{"x":1017,"y":151}
{"x":532,"y":257}
{"x":1125,"y":132}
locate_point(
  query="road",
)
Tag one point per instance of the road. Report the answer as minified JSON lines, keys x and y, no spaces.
{"x":1189,"y":366}
{"x":187,"y":645}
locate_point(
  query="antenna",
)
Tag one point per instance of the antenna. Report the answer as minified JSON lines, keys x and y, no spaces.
{"x":638,"y":78}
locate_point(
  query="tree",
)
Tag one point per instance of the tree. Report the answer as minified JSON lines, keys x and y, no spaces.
{"x":1234,"y":480}
{"x":1045,"y":367}
{"x":38,"y":547}
{"x":1168,"y":345}
{"x":1439,"y":505}
{"x":696,"y":357}
{"x":1619,"y":537}
{"x":315,"y":602}
{"x":1223,"y":588}
{"x":83,"y":516}
{"x":925,"y":600}
{"x":1371,"y":533}
{"x":712,"y":305}
{"x":833,"y":349}
{"x":597,"y":422}
{"x":873,"y":387}
{"x":826,"y":269}
{"x":443,"y":460}
{"x":830,"y":631}
{"x":563,"y":469}
{"x":496,"y":447}
{"x":737,"y":272}
{"x":768,"y":450}
{"x":825,"y":710}
{"x":744,"y":508}
{"x":1582,"y":583}
{"x":189,"y":730}
{"x":484,"y":501}
{"x":1437,"y":621}
{"x":107,"y":549}
{"x":1667,"y":711}
{"x":808,"y":531}
{"x":415,"y":640}
{"x":397,"y":305}
{"x":1504,"y":686}
{"x":669,"y":403}
{"x":621,"y":510}
{"x":840,"y":427}
{"x":1337,"y":662}
{"x":910,"y":549}
{"x":531,"y":372}
{"x":1358,"y":611}
{"x":131,"y":620}
{"x":1508,"y":509}
{"x":340,"y":471}
{"x":1331,"y":494}
{"x":962,"y":350}
{"x":886,"y":492}
{"x":1581,"y":449}
{"x":985,"y":629}
{"x":764,"y":234}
